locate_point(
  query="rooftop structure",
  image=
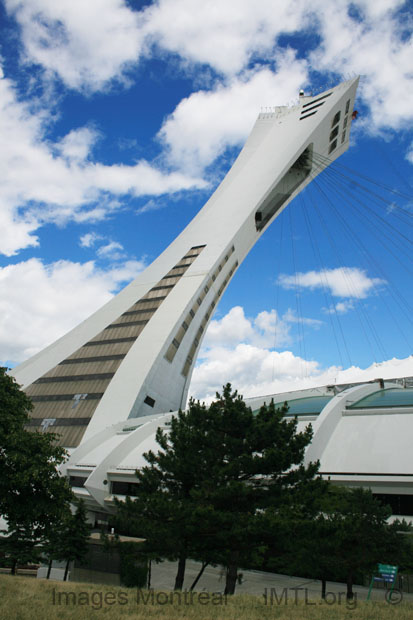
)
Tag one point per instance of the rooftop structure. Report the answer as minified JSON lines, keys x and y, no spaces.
{"x":362,"y":434}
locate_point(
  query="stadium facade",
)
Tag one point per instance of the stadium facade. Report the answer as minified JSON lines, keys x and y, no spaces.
{"x":361,"y":436}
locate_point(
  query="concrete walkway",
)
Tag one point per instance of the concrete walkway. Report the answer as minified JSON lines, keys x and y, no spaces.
{"x":275,"y":589}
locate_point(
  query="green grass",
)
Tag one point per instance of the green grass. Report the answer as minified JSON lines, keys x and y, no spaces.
{"x":24,"y":598}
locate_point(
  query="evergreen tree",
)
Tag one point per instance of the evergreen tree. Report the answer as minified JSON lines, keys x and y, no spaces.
{"x":259,"y":470}
{"x":163,"y":509}
{"x":33,"y":495}
{"x":364,"y":537}
{"x":218,"y":469}
{"x":348,"y":537}
{"x":68,"y":540}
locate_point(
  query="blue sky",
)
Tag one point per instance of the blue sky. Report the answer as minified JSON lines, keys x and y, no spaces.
{"x":118,"y":119}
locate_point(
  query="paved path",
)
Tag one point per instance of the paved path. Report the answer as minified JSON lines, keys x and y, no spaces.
{"x":271,"y":585}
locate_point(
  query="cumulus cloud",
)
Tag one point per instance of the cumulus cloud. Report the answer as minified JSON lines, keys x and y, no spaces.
{"x":41,"y":302}
{"x":77,"y":144}
{"x":207,"y":122}
{"x":44,"y":182}
{"x":224,"y":35}
{"x":255,"y":371}
{"x":375,"y":40}
{"x":267,"y":329}
{"x":251,"y":369}
{"x":242,"y":351}
{"x":350,"y":282}
{"x":241,"y":348}
{"x":88,"y":240}
{"x":112,"y":250}
{"x":89,"y":44}
{"x":86,"y":44}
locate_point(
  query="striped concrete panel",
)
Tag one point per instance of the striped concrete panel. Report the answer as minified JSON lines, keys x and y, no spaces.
{"x":72,"y":389}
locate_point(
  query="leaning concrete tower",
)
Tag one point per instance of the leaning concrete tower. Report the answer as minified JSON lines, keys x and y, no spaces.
{"x":134,"y":357}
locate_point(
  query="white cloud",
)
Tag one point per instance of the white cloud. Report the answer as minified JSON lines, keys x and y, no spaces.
{"x":250,"y":369}
{"x":86,"y":44}
{"x":378,"y":46}
{"x":342,"y":307}
{"x":241,"y":351}
{"x":77,"y":144}
{"x":112,"y":250}
{"x":204,"y":124}
{"x":267,"y":329}
{"x":254,"y":371}
{"x":89,"y":240}
{"x":344,"y":282}
{"x":224,"y":35}
{"x":44,"y":182}
{"x":239,"y":348}
{"x":367,"y":37}
{"x":39,"y":303}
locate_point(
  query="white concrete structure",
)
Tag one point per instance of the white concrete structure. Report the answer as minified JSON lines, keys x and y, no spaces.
{"x":134,"y":357}
{"x":362,"y":437}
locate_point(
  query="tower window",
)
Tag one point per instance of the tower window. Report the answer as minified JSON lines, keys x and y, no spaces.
{"x":332,"y":146}
{"x":336,"y":119}
{"x":334,"y":133}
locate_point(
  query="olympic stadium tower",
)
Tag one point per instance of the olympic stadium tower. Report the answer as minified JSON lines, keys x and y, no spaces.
{"x":134,"y":357}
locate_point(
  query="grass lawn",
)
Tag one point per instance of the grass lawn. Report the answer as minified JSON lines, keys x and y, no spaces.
{"x":24,"y":598}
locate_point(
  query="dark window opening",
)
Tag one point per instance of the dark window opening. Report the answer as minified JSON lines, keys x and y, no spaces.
{"x":124,"y":488}
{"x":308,"y":115}
{"x":284,"y":189}
{"x":77,"y":481}
{"x":399,"y":504}
{"x":336,"y":118}
{"x":332,"y":146}
{"x":318,"y":105}
{"x":149,"y":401}
{"x":347,"y":106}
{"x":316,"y":100}
{"x":334,"y":133}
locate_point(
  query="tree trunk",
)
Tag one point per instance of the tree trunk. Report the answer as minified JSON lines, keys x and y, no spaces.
{"x":232,"y":571}
{"x":323,"y":588}
{"x":350,"y":594}
{"x":179,"y":580}
{"x":66,"y":570}
{"x":13,"y":569}
{"x":149,"y":574}
{"x":199,"y":575}
{"x":49,"y":568}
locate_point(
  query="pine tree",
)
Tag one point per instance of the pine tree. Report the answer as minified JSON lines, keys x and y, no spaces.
{"x":217,"y":470}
